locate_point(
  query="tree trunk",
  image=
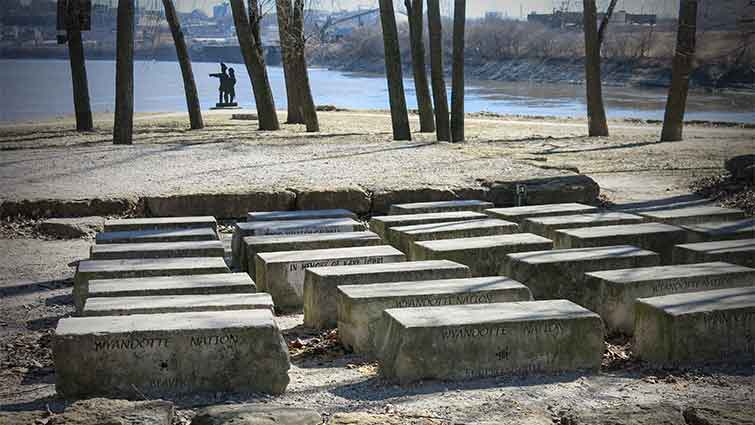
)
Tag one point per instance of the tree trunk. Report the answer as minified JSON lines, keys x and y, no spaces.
{"x":302,"y":75}
{"x":123,"y":127}
{"x":190,"y":87}
{"x":81,"y":102}
{"x":414,"y":9}
{"x":457,"y":91}
{"x":596,"y":113}
{"x":394,"y":73}
{"x":255,"y":65}
{"x":284,"y":11}
{"x":673,"y":121}
{"x":440,"y":96}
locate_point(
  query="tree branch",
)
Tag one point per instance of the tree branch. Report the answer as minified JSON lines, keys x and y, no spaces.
{"x":606,"y":20}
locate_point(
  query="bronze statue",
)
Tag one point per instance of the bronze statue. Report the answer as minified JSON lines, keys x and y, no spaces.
{"x":227,"y":90}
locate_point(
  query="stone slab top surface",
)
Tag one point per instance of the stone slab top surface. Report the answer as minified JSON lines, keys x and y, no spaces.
{"x":155,"y":233}
{"x":191,"y":321}
{"x":585,"y":218}
{"x":296,"y":224}
{"x":451,"y":226}
{"x":702,"y":302}
{"x":429,"y":287}
{"x":442,"y":204}
{"x":158,"y":246}
{"x":689,"y":212}
{"x":93,"y":266}
{"x":128,"y":222}
{"x":723,"y":227}
{"x":327,"y":254}
{"x":278,"y":239}
{"x":536,"y":210}
{"x":473,"y":314}
{"x":647,"y":274}
{"x":580,"y":254}
{"x":407,"y":266}
{"x":177,"y":302}
{"x":299,"y":215}
{"x":721,"y":246}
{"x":451,"y":215}
{"x":619,"y":230}
{"x":482,"y":242}
{"x":169,"y":282}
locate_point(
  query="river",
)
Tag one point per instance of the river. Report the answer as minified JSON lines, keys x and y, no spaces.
{"x":41,"y":89}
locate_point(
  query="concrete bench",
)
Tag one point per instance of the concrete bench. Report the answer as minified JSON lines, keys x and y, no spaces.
{"x":360,"y":307}
{"x":547,"y":226}
{"x":612,"y":294}
{"x":405,"y":236}
{"x":256,"y":244}
{"x":161,"y":223}
{"x":287,"y":227}
{"x":157,"y":250}
{"x":694,"y":215}
{"x":321,"y":283}
{"x":201,"y":284}
{"x":486,"y":340}
{"x":740,"y":252}
{"x":156,"y":236}
{"x":440,"y":207}
{"x":720,"y":231}
{"x":299,"y":215}
{"x":118,"y":269}
{"x":559,"y":273}
{"x":381,"y":224}
{"x":697,"y":327}
{"x":519,"y":214}
{"x":175,"y":353}
{"x":484,"y":255}
{"x":157,"y":304}
{"x":282,"y":273}
{"x":656,"y":237}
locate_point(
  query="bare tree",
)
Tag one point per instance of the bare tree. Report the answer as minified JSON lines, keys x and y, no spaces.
{"x":673,"y":121}
{"x":457,"y":83}
{"x":190,"y":87}
{"x":440,"y":96}
{"x":123,"y":126}
{"x":415,"y":9}
{"x":596,"y":113}
{"x":284,"y":12}
{"x":81,"y":102}
{"x":304,"y":91}
{"x":394,"y":73}
{"x":248,"y":33}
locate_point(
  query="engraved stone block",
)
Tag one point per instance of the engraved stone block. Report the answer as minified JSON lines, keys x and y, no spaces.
{"x":299,"y":215}
{"x":694,"y":215}
{"x":160,"y":235}
{"x":440,"y":207}
{"x":122,"y":306}
{"x":740,"y":252}
{"x":721,"y":231}
{"x":381,"y":224}
{"x":157,"y":250}
{"x":202,"y":284}
{"x":547,"y":226}
{"x":405,"y":236}
{"x":161,"y":223}
{"x":519,"y":214}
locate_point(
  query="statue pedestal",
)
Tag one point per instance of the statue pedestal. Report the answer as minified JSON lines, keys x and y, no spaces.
{"x":233,"y":105}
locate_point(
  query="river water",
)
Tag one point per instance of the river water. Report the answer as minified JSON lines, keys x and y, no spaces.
{"x":39,"y":89}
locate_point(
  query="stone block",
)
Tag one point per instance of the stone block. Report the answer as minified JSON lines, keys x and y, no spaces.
{"x":287,"y":227}
{"x":694,"y":215}
{"x":656,"y":237}
{"x":484,"y":255}
{"x":405,"y":236}
{"x":440,"y":206}
{"x":353,"y":198}
{"x":721,"y":231}
{"x":381,"y":224}
{"x":72,"y":228}
{"x":697,"y":327}
{"x":201,"y":284}
{"x":383,"y":198}
{"x":157,"y":250}
{"x":119,"y":269}
{"x":740,"y":252}
{"x":282,"y":273}
{"x":547,"y":226}
{"x":299,"y":215}
{"x":175,"y":353}
{"x":321,"y":283}
{"x":549,"y":190}
{"x":360,"y":307}
{"x":612,"y":294}
{"x":253,"y":245}
{"x":256,"y":414}
{"x":559,"y":273}
{"x":150,"y":236}
{"x":519,"y":214}
{"x":157,"y":304}
{"x":160,"y":223}
{"x":486,"y":340}
{"x":221,"y":205}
